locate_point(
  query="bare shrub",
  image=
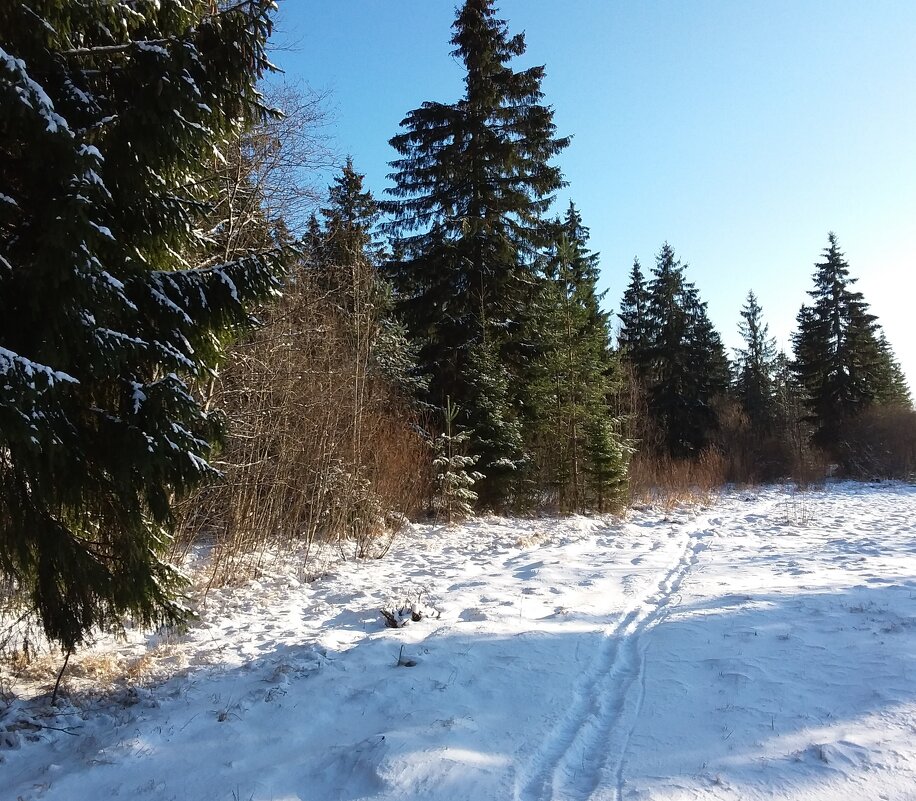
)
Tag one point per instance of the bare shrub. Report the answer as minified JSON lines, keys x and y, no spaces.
{"x":631,"y":407}
{"x":22,"y":638}
{"x":880,"y":443}
{"x":754,"y":456}
{"x":264,"y":179}
{"x":321,"y":448}
{"x":810,"y":467}
{"x":654,"y":476}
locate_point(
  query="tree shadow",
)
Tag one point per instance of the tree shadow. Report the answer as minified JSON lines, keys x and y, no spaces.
{"x":743,"y":691}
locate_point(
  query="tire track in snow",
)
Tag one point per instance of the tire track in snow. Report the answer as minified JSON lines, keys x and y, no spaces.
{"x":586,"y":752}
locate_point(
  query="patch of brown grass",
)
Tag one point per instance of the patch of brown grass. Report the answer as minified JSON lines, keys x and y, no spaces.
{"x":673,"y":482}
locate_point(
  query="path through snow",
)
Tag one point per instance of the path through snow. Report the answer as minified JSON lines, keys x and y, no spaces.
{"x":764,"y":647}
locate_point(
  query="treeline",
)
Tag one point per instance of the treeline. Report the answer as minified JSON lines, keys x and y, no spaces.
{"x":840,"y":398}
{"x":188,"y":355}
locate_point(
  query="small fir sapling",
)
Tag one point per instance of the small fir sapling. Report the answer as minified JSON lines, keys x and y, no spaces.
{"x":454,"y":479}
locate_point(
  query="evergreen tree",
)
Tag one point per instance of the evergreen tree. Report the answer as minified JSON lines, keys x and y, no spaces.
{"x":573,"y":373}
{"x":471,"y":185}
{"x":350,"y":219}
{"x":608,"y":457}
{"x":313,"y":244}
{"x":686,"y":365}
{"x":714,"y":369}
{"x":754,"y":368}
{"x":634,"y":338}
{"x":112,"y":112}
{"x":839,"y":359}
{"x":455,"y":497}
{"x":347,"y":256}
{"x":498,"y":439}
{"x":892,"y":387}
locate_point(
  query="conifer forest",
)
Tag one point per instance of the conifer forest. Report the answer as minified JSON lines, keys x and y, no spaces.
{"x":203,"y":353}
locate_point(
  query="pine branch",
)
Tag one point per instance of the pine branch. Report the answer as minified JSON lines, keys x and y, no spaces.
{"x":104,"y":50}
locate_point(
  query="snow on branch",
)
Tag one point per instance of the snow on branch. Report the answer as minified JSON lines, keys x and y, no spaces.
{"x":13,"y":364}
{"x":32,"y":94}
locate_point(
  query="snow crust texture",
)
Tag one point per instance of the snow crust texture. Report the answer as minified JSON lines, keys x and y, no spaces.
{"x":763,"y":647}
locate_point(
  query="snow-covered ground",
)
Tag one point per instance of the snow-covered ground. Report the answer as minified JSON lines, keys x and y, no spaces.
{"x":761,"y":647}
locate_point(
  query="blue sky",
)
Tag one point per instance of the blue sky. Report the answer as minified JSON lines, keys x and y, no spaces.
{"x":740,"y":132}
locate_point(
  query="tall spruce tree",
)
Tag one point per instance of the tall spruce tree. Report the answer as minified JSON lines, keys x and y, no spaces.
{"x":572,"y":376}
{"x":111,"y":114}
{"x":471,"y":185}
{"x":633,"y":339}
{"x":686,"y":365}
{"x":893,"y":389}
{"x":839,"y":359}
{"x":754,"y":368}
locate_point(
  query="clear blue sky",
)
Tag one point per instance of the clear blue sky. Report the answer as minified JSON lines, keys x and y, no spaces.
{"x":740,"y":132}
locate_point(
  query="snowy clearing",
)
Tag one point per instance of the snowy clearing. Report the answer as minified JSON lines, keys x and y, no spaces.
{"x":761,"y":647}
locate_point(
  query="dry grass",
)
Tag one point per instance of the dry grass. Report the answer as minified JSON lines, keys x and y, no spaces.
{"x":672,"y":482}
{"x":531,"y":539}
{"x":796,"y":510}
{"x":93,"y":670}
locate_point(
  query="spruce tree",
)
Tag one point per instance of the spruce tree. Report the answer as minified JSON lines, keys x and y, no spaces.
{"x":350,"y":219}
{"x":498,"y":439}
{"x":713,"y":367}
{"x":347,"y":255}
{"x":573,"y":373}
{"x":686,"y":364}
{"x":633,"y":340}
{"x":608,"y":456}
{"x":754,"y":368}
{"x":112,"y":112}
{"x":455,"y":497}
{"x":839,"y":359}
{"x":471,"y":185}
{"x":892,"y":387}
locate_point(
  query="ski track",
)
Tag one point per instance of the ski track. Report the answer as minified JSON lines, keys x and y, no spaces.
{"x":588,"y":748}
{"x":796,"y":634}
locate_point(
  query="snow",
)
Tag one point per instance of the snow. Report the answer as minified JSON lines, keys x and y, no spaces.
{"x":119,"y":285}
{"x":233,"y":291}
{"x":32,"y":94}
{"x":106,"y":232}
{"x":138,"y":396}
{"x":13,"y":362}
{"x":160,"y":296}
{"x":149,"y":47}
{"x":761,"y":647}
{"x":91,"y":151}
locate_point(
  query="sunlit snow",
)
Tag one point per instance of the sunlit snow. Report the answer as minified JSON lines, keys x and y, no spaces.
{"x":761,"y":647}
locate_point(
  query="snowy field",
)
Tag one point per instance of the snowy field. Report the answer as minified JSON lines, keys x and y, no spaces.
{"x":763,"y":647}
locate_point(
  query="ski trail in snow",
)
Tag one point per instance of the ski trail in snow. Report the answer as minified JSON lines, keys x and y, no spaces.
{"x":585,"y":754}
{"x":626,"y":706}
